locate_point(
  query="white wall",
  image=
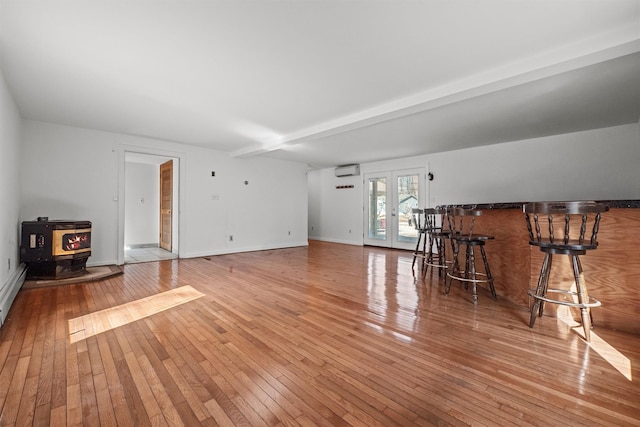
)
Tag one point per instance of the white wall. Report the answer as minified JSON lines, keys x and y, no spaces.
{"x":142,"y":200}
{"x":74,"y":173}
{"x":331,"y":210}
{"x":269,"y":211}
{"x":70,"y":173}
{"x":336,"y":214}
{"x":10,"y":268}
{"x":600,"y":164}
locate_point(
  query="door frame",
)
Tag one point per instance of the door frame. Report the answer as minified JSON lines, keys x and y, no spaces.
{"x":179,"y":160}
{"x":392,"y":176}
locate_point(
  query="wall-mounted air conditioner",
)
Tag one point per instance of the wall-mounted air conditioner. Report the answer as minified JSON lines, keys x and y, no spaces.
{"x":348,"y":170}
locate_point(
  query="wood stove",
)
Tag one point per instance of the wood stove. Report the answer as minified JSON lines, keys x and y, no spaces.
{"x":55,"y":249}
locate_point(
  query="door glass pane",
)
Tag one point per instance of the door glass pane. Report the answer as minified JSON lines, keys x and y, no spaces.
{"x":377,"y":206}
{"x":408,"y":193}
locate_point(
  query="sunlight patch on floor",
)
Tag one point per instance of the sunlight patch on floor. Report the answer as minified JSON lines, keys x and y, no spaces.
{"x":616,"y":359}
{"x":104,"y":320}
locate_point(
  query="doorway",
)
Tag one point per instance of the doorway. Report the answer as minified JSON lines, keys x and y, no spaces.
{"x":150,"y":228}
{"x":389,"y":198}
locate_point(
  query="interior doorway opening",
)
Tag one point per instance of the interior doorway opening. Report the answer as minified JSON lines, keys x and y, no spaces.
{"x":150,"y":207}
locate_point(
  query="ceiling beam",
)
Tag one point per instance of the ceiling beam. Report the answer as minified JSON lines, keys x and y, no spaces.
{"x":493,"y":80}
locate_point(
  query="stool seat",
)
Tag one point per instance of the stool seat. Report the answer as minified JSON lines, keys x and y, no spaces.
{"x":474,"y":239}
{"x":574,"y":219}
{"x":574,"y":245}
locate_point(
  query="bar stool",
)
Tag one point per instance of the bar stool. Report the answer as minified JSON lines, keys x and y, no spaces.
{"x":420,"y":224}
{"x":573,"y":219}
{"x":438,"y":235}
{"x":461,"y":224}
{"x":429,"y":246}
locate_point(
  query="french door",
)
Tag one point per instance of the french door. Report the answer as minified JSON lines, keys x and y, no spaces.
{"x":390,"y":196}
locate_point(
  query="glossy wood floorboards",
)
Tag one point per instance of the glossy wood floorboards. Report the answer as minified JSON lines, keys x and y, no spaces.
{"x":331,"y":335}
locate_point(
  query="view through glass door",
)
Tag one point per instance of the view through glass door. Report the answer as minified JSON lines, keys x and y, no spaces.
{"x":390,"y":198}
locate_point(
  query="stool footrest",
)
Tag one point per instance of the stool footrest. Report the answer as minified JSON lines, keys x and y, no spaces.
{"x":593,"y":302}
{"x":438,"y":265}
{"x":468,"y":279}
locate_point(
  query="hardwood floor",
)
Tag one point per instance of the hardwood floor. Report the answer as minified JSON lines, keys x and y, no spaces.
{"x":331,"y":335}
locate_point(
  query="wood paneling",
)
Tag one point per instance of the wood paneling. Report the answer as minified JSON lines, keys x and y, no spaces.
{"x":328,"y":335}
{"x":509,"y":254}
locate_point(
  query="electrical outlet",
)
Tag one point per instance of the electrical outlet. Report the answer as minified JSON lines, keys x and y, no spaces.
{"x":231,"y":237}
{"x":289,"y":232}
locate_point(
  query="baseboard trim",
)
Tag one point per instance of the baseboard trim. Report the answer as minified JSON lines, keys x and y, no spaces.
{"x":244,"y":249}
{"x":343,"y":242}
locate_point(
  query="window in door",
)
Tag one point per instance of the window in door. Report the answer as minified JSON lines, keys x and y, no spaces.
{"x":390,"y":198}
{"x":377,"y":220}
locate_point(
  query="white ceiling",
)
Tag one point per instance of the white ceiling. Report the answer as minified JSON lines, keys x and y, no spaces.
{"x":325,"y":82}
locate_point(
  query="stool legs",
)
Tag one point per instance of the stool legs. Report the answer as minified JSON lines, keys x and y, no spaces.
{"x":417,"y":253}
{"x":471,"y":262}
{"x":541,"y":289}
{"x":470,"y":272}
{"x":429,"y":256}
{"x":583,"y":298}
{"x":581,"y":292}
{"x":442,"y":259}
{"x":435,"y":259}
{"x":454,"y":268}
{"x":488,"y":271}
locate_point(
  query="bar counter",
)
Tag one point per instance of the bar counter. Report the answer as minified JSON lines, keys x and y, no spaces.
{"x":612,"y":272}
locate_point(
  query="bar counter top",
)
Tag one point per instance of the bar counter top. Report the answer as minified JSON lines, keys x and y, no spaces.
{"x":612,"y":271}
{"x":634,"y":204}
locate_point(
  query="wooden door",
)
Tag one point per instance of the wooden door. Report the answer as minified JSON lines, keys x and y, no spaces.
{"x":166,"y":203}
